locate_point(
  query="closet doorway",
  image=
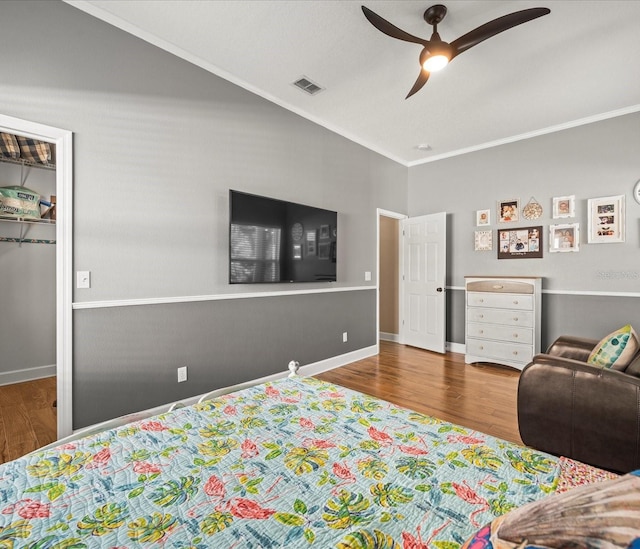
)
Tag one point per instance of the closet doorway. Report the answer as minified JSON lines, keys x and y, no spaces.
{"x":31,"y":247}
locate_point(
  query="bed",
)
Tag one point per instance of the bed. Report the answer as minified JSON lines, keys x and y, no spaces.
{"x":296,"y":462}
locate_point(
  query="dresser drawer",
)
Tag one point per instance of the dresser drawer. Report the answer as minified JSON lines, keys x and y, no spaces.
{"x":500,"y":301}
{"x":500,"y":316}
{"x":513,"y":334}
{"x":496,"y":350}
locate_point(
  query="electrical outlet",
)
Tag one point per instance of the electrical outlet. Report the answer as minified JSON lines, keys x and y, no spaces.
{"x":344,"y":337}
{"x":182,"y":374}
{"x":367,"y":276}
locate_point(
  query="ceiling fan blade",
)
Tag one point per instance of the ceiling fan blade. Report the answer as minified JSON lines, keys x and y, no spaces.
{"x":494,"y":27}
{"x":421,"y":81}
{"x":389,"y":29}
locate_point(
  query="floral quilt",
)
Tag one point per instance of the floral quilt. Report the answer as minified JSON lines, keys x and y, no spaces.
{"x":292,"y":463}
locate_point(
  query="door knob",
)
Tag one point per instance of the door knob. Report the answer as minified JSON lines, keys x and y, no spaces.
{"x":439,"y":289}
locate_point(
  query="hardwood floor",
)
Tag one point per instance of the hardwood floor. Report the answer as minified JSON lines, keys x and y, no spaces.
{"x":27,"y":417}
{"x":481,"y":397}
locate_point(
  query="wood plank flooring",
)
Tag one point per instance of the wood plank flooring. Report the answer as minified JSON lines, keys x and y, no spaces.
{"x":481,"y":397}
{"x":27,"y":417}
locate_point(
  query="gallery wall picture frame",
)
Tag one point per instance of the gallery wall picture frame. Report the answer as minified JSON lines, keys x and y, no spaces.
{"x":564,"y":237}
{"x":483,"y":241}
{"x":508,"y":211}
{"x":483,"y":218}
{"x":520,"y":243}
{"x":606,"y":220}
{"x":564,"y":206}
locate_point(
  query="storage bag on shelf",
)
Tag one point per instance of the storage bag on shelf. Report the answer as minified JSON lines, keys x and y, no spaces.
{"x":19,"y":202}
{"x":33,"y":150}
{"x":9,"y":147}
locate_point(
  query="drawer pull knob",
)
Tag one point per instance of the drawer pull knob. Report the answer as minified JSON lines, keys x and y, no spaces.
{"x":515,"y":352}
{"x":498,"y":286}
{"x":481,"y":348}
{"x":482,"y":331}
{"x":515,"y":336}
{"x":480,"y":316}
{"x":515,"y":318}
{"x":515,"y":302}
{"x":481,"y":300}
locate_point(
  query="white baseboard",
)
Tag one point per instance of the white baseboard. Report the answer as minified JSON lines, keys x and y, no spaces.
{"x":386,"y":336}
{"x":337,"y":361}
{"x":456,"y":347}
{"x":28,"y":374}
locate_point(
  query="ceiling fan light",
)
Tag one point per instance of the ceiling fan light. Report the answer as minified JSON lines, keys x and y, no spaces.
{"x":435,"y":63}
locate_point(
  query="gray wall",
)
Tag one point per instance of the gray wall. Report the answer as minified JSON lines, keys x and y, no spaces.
{"x":27,"y":287}
{"x":205,"y":335}
{"x":590,"y":161}
{"x":158,"y":143}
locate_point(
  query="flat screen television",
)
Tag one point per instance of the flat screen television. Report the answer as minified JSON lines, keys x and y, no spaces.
{"x":274,"y":240}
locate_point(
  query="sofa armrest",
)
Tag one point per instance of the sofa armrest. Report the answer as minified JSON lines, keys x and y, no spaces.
{"x":576,"y":348}
{"x":572,"y":409}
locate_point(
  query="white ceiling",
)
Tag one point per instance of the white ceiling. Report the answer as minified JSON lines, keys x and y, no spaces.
{"x":578,"y":64}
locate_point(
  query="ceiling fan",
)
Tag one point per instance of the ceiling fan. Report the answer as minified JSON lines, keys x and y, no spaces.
{"x":436,"y":53}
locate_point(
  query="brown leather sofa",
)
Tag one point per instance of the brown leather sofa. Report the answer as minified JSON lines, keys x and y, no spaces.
{"x":569,"y":408}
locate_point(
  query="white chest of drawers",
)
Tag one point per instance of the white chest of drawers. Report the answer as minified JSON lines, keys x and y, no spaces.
{"x":502,"y":319}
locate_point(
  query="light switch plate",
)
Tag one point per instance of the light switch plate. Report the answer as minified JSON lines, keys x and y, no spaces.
{"x":83,"y":279}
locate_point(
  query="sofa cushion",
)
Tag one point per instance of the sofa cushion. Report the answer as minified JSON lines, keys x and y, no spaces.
{"x":604,"y":514}
{"x":616,"y":350}
{"x":634,"y":368}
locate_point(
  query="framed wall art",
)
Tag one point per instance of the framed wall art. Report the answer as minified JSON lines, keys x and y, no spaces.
{"x":522,"y":243}
{"x":483,"y":217}
{"x":564,"y":206}
{"x":564,"y":238}
{"x":483,"y":241}
{"x":508,"y":210}
{"x":606,"y":219}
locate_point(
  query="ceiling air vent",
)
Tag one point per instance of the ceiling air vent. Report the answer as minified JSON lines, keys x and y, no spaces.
{"x":306,"y":85}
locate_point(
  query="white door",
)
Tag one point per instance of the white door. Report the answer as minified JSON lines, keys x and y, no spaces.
{"x":423,"y":304}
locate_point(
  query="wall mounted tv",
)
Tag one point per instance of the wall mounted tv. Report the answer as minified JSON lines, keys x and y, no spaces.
{"x":273,"y":240}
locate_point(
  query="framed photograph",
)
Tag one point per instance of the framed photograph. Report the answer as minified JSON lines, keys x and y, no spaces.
{"x":606,"y":219}
{"x":522,"y":243}
{"x":324,"y":232}
{"x":508,"y":211}
{"x":483,"y":241}
{"x":483,"y":217}
{"x":564,"y":206}
{"x":564,"y":238}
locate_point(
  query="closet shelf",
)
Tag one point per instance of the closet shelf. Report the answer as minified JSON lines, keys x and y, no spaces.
{"x":23,"y":220}
{"x":23,"y":162}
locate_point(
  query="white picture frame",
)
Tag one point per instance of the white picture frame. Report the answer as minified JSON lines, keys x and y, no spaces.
{"x":564,"y":206}
{"x":564,"y":237}
{"x":483,"y":241}
{"x":606,"y":220}
{"x":483,"y":218}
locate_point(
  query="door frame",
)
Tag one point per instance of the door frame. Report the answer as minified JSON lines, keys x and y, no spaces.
{"x":63,"y":140}
{"x":399,"y":216}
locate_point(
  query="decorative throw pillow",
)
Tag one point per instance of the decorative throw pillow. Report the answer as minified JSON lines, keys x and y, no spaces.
{"x":9,"y":147}
{"x":615,"y":350}
{"x":604,"y":514}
